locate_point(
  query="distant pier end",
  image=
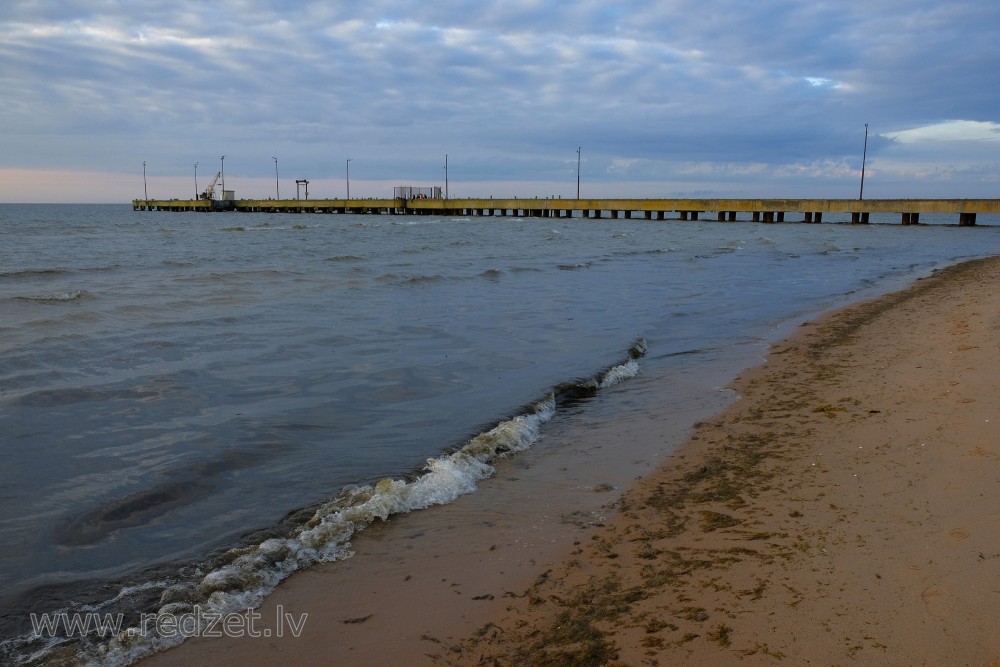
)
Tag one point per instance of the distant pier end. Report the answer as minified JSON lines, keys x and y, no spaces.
{"x":723,"y":210}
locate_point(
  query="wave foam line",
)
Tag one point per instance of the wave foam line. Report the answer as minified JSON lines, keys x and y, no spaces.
{"x":57,"y":296}
{"x":253,"y":572}
{"x":579,"y":390}
{"x":627,"y":370}
{"x":243,"y":576}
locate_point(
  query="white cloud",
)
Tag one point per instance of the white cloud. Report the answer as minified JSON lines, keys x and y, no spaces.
{"x":952,"y":130}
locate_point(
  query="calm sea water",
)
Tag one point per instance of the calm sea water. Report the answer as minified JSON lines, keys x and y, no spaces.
{"x":174,"y":385}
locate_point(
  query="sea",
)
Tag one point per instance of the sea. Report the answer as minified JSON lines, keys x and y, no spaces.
{"x":193,"y":406}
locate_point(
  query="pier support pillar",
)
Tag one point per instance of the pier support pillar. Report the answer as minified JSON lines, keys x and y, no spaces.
{"x":768,"y":216}
{"x":721,"y":217}
{"x":966,"y":219}
{"x":756,"y":216}
{"x":660,"y":215}
{"x":808,"y":217}
{"x":780,"y":216}
{"x":818,"y":216}
{"x":732,"y":216}
{"x":683,"y":215}
{"x":859,"y":218}
{"x":911,"y":219}
{"x":614,"y":214}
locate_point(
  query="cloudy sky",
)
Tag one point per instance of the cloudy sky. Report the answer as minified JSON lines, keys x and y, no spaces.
{"x":733,"y":98}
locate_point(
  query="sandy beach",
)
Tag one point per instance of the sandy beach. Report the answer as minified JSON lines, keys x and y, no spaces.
{"x":842,"y":511}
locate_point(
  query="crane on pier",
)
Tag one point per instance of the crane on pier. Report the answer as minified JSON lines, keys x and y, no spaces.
{"x":209,"y":192}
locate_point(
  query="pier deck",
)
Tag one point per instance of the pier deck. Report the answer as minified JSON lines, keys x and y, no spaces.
{"x":760,"y":210}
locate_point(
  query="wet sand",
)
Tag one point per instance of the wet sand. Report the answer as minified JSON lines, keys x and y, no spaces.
{"x":842,"y":511}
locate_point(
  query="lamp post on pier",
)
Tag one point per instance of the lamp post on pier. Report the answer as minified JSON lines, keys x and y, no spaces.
{"x":578,"y":172}
{"x":349,"y":177}
{"x":864,"y":156}
{"x":145,"y":190}
{"x":445,"y":175}
{"x":277,"y":190}
{"x":195,"y":180}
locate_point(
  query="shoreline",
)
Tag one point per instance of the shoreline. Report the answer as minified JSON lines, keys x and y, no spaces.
{"x":755,"y":541}
{"x":465,"y":559}
{"x":839,"y":511}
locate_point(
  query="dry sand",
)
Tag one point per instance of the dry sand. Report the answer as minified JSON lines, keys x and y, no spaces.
{"x":843,"y":511}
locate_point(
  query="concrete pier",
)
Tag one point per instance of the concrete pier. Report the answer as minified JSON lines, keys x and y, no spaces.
{"x":726,"y":210}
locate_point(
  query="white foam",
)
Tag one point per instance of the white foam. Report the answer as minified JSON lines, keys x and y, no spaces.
{"x":56,"y":296}
{"x":620,"y":373}
{"x":125,"y":592}
{"x":255,"y":571}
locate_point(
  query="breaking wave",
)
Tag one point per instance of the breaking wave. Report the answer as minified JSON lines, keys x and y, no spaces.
{"x":241,"y":577}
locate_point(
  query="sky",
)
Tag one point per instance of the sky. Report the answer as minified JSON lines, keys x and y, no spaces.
{"x":111,"y":100}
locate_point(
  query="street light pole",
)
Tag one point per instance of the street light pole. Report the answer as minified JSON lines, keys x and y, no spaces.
{"x":349,"y":178}
{"x":145,"y":190}
{"x":578,"y":172}
{"x":445,"y":175}
{"x":277,"y":190}
{"x":223,"y":172}
{"x":864,"y":156}
{"x":195,"y":180}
